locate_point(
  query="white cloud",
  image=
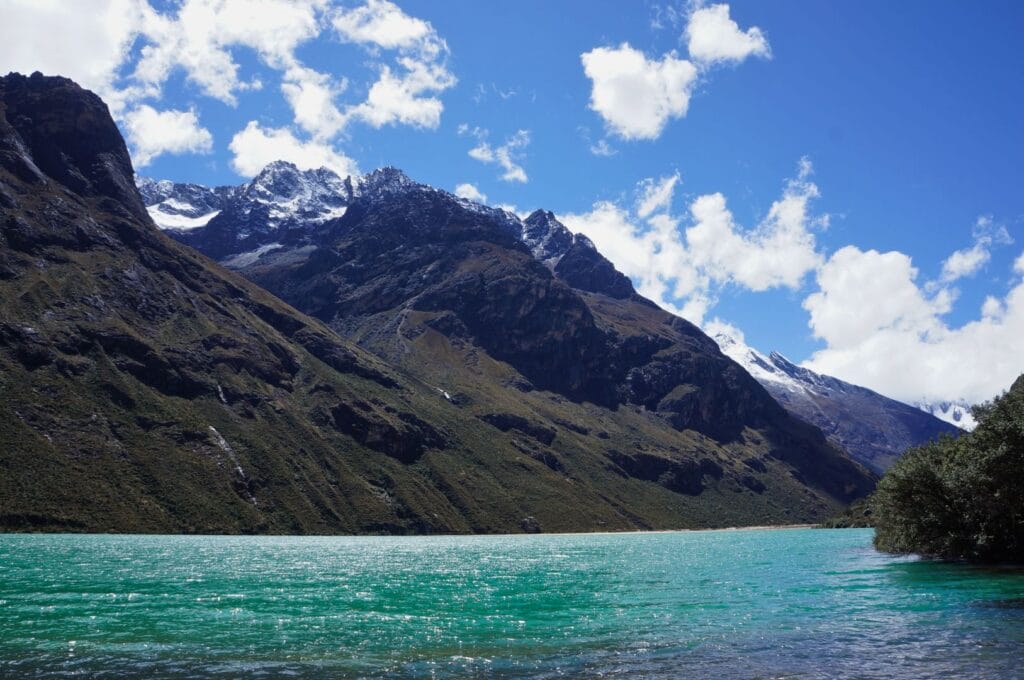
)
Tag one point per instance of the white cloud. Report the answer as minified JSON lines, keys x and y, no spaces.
{"x":311,"y":95}
{"x":87,"y":42}
{"x":656,"y":195}
{"x":256,"y":146}
{"x":885,"y":332}
{"x":381,"y":23}
{"x":862,"y":293}
{"x":126,"y":51}
{"x":199,"y":40}
{"x":779,"y":252}
{"x":637,"y":96}
{"x":602,"y":148}
{"x":470,"y":193}
{"x":508,"y":155}
{"x":398,"y":97}
{"x":1018,"y":264}
{"x":151,"y":133}
{"x":968,"y":261}
{"x":683,"y":269}
{"x":712,"y":36}
{"x":405,"y":93}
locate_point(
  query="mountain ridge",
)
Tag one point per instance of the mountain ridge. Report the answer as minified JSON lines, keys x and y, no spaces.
{"x":873,"y":428}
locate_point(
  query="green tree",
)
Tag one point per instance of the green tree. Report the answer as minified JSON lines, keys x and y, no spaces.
{"x":960,"y":498}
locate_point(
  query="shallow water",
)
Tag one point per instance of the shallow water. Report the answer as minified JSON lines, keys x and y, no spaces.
{"x":751,"y":603}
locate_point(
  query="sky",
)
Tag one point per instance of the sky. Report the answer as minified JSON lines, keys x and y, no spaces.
{"x":842,"y":182}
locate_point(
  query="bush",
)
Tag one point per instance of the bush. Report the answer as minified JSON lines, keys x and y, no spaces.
{"x":960,"y":498}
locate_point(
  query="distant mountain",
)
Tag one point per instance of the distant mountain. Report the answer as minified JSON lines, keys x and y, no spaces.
{"x":956,"y":413}
{"x":874,"y":429}
{"x":525,"y":326}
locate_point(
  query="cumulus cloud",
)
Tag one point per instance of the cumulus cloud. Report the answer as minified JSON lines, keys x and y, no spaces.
{"x":712,"y":36}
{"x":399,"y":97}
{"x":1018,"y":264}
{"x":256,"y":146}
{"x":508,"y":156}
{"x":637,"y":96}
{"x":884,"y":331}
{"x":151,"y":133}
{"x":87,"y":42}
{"x":779,"y":252}
{"x":200,"y":37}
{"x":126,"y":50}
{"x":684,"y":263}
{"x":382,"y":23}
{"x":312,"y":95}
{"x":405,"y":93}
{"x":470,"y":193}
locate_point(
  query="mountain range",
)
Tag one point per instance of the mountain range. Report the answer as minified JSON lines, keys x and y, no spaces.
{"x":357,"y":355}
{"x":872,"y":428}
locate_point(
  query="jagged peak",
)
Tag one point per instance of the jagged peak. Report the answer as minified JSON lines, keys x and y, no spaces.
{"x":388,"y":179}
{"x":541,"y":216}
{"x":548,"y":238}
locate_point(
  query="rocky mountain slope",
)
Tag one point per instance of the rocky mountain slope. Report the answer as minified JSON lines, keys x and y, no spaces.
{"x":874,"y":429}
{"x":145,"y":388}
{"x":525,"y":326}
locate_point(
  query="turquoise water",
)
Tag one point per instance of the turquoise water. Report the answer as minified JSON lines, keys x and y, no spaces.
{"x":791,"y":603}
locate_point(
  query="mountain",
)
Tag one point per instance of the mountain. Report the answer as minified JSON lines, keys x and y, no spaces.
{"x":874,"y":429}
{"x":955,"y":413}
{"x":524,"y":326}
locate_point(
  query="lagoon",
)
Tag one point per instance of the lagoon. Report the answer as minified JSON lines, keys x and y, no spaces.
{"x":738,"y":603}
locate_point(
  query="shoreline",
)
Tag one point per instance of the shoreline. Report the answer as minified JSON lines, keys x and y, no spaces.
{"x":631,"y":532}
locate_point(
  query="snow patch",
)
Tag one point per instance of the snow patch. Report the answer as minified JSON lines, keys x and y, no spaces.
{"x":178,"y":222}
{"x":954,"y":413}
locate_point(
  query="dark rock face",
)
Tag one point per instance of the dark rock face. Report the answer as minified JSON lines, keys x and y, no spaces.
{"x":584,"y":268}
{"x":52,"y":130}
{"x":686,"y":477}
{"x":510,"y":421}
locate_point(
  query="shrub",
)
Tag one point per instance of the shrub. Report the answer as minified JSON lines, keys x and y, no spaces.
{"x":960,"y":498}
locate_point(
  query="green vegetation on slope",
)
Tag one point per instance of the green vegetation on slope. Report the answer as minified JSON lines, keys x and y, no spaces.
{"x":960,"y":498}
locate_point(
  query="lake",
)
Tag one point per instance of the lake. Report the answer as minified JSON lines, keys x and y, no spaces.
{"x":746,"y":603}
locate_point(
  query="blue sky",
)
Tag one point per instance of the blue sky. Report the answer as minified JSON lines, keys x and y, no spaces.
{"x":888,"y":127}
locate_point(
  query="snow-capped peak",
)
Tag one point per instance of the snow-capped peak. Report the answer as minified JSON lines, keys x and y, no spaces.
{"x":774,"y":368}
{"x":953,"y":412}
{"x":776,"y":372}
{"x":293,"y":193}
{"x":181,"y":206}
